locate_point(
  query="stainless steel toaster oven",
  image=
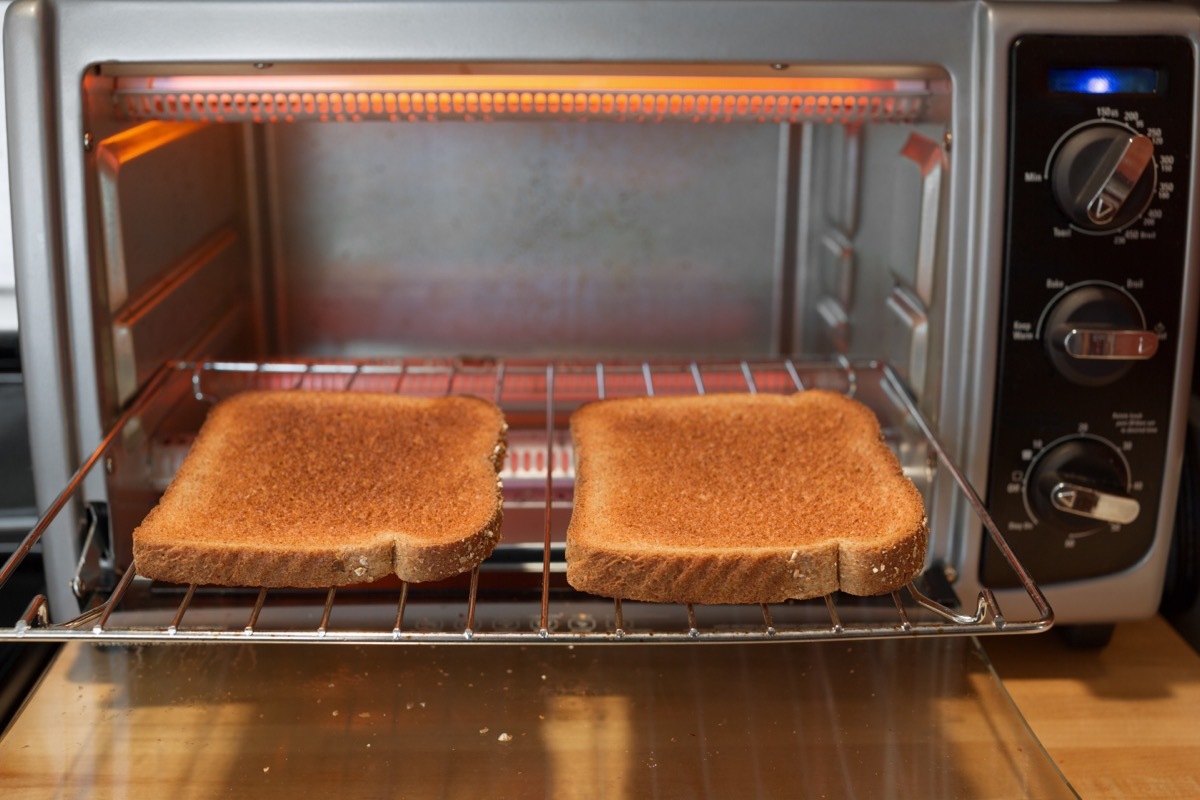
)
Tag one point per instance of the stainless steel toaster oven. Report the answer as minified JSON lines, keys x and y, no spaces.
{"x":976,"y":217}
{"x":982,"y":210}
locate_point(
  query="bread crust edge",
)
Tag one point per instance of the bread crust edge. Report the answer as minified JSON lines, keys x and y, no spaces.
{"x":774,"y":574}
{"x":368,"y":559}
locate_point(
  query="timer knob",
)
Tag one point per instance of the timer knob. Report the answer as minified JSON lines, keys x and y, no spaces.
{"x":1080,"y":484}
{"x":1094,"y":333}
{"x":1103,"y":176}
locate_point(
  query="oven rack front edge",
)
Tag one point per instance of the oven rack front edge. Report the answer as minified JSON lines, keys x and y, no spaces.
{"x":134,"y":610}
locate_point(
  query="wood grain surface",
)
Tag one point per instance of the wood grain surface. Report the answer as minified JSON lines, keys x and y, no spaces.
{"x":1122,"y":722}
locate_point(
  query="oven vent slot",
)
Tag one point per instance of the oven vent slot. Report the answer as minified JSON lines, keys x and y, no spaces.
{"x":518,"y":594}
{"x":487,"y":97}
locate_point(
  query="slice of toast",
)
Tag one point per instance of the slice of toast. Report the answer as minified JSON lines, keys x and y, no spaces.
{"x":739,"y":499}
{"x":307,"y":489}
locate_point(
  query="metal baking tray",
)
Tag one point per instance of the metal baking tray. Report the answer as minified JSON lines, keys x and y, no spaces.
{"x":518,"y":595}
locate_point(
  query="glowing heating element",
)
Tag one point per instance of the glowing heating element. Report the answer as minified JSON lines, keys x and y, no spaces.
{"x":414,"y":97}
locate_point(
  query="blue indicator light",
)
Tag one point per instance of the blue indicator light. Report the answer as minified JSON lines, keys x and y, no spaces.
{"x":1104,"y":80}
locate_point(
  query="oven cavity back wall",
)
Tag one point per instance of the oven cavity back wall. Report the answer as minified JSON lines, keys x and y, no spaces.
{"x":638,"y":210}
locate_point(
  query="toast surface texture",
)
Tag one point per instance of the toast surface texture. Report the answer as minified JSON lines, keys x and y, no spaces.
{"x":315,"y":489}
{"x":739,"y":498}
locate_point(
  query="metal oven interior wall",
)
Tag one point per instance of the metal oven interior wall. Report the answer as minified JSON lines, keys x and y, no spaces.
{"x":566,"y":238}
{"x":177,"y":270}
{"x":872,"y":283}
{"x":540,"y":238}
{"x":525,"y":237}
{"x":506,"y":239}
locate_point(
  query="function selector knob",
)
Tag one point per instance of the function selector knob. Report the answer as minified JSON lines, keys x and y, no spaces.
{"x":1079,"y":485}
{"x":1103,"y":176}
{"x":1094,"y":333}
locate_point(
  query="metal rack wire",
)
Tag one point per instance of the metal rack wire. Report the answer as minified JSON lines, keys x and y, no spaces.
{"x":539,"y":471}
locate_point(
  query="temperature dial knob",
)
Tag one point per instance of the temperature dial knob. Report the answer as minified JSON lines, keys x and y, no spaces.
{"x":1103,"y":176}
{"x":1094,"y":333}
{"x":1080,"y":485}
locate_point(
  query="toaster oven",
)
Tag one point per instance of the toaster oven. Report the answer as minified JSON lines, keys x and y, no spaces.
{"x":989,"y":240}
{"x":976,"y":217}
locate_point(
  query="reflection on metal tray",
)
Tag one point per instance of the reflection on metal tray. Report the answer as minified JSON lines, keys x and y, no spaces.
{"x":519,"y":594}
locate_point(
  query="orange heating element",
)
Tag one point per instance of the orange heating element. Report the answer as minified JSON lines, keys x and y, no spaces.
{"x":495,"y":96}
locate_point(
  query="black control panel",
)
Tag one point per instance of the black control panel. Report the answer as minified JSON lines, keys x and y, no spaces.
{"x":1096,"y":235}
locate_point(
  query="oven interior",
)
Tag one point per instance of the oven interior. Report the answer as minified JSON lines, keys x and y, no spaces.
{"x":677,"y":213}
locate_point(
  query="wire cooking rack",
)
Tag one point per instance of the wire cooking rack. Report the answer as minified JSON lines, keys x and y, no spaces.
{"x":518,"y":595}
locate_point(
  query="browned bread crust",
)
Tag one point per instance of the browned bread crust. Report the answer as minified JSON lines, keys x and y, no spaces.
{"x":306,"y":489}
{"x":739,"y":499}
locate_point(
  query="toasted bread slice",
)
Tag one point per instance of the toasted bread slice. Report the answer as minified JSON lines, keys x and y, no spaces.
{"x":739,"y":499}
{"x":305,"y":489}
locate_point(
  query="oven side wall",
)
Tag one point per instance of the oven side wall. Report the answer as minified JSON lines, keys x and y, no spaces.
{"x":8,"y":298}
{"x":41,"y":283}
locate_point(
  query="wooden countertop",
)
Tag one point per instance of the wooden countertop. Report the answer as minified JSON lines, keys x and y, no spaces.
{"x":1122,"y":722}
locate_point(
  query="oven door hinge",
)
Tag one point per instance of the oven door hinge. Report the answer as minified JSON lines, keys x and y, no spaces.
{"x":94,"y":571}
